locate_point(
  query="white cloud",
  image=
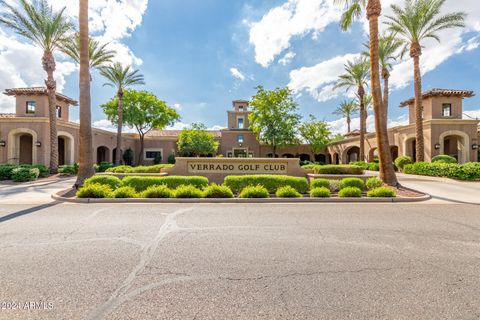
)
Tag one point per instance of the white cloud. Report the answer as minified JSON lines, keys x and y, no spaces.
{"x":340,"y":125}
{"x":287,"y":58}
{"x":178,"y":106}
{"x":237,"y":74}
{"x":472,"y":114}
{"x":273,"y":33}
{"x":320,"y":79}
{"x":105,"y":124}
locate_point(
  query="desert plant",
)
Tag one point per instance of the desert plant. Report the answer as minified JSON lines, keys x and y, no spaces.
{"x":287,"y":192}
{"x":125,"y":192}
{"x":161,"y":191}
{"x":402,"y":161}
{"x":373,"y":183}
{"x":270,"y":182}
{"x":381,"y":192}
{"x":95,"y":190}
{"x":334,"y":185}
{"x":352,"y":182}
{"x":142,"y":183}
{"x":350,"y":192}
{"x":254,"y":192}
{"x":338,"y":169}
{"x":317,"y":183}
{"x":320,"y":192}
{"x":188,"y":191}
{"x":113,"y":182}
{"x":216,"y":191}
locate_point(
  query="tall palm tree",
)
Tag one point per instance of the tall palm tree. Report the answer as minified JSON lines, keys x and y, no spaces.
{"x":373,"y":8}
{"x":47,"y":29}
{"x":417,"y":21}
{"x":356,"y":77}
{"x":85,"y":169}
{"x":347,"y":109}
{"x":120,"y":78}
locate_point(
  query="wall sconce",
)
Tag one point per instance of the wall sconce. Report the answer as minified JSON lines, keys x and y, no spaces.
{"x":38,"y":144}
{"x":437,"y":146}
{"x":474,"y":146}
{"x":2,"y":143}
{"x":240,"y":144}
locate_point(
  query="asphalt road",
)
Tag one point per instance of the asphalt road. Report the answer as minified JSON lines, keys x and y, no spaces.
{"x":302,"y":261}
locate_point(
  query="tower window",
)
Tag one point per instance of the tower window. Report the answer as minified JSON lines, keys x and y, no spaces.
{"x":240,"y":108}
{"x":31,"y":105}
{"x":240,"y":138}
{"x":447,"y":110}
{"x":240,"y":123}
{"x":59,"y":111}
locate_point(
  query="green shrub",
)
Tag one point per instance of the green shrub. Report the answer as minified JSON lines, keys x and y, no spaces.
{"x":352,"y":182}
{"x":254,"y":192}
{"x":125,"y":192}
{"x":402,"y":161}
{"x":103,"y":166}
{"x":6,"y":171}
{"x":171,"y":159}
{"x":112,"y":182}
{"x":95,"y":190}
{"x":381,"y":192}
{"x":350,"y":192}
{"x":155,"y":192}
{"x":309,"y":166}
{"x":119,"y":169}
{"x":188,"y":191}
{"x":158,"y":159}
{"x":468,"y":171}
{"x":142,"y":183}
{"x":317,"y":183}
{"x":43,"y":169}
{"x":216,"y":191}
{"x":287,"y":192}
{"x":270,"y":182}
{"x":372,"y":166}
{"x":338,"y":169}
{"x":373,"y":183}
{"x":128,"y":156}
{"x":23,"y":174}
{"x":320,"y":192}
{"x":68,"y":169}
{"x":140,"y":169}
{"x":443,"y":158}
{"x":334,"y":185}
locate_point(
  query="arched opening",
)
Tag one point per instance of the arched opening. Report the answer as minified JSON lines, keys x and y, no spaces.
{"x":61,"y":151}
{"x":304,"y":157}
{"x":411,"y":148}
{"x":25,"y":152}
{"x":321,"y":158}
{"x":352,"y":154}
{"x":455,"y":144}
{"x":329,"y":158}
{"x":336,"y":159}
{"x":373,"y":155}
{"x":21,"y":146}
{"x":270,"y":155}
{"x":114,"y":155}
{"x":65,"y":149}
{"x":288,"y":155}
{"x":102,"y":154}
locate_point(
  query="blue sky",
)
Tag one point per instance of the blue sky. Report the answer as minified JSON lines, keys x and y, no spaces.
{"x":200,"y":55}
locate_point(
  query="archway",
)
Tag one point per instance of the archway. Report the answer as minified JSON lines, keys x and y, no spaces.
{"x":21,"y":146}
{"x":304,"y":157}
{"x":336,"y":159}
{"x":288,"y":155}
{"x":66,"y":148}
{"x":114,"y":155}
{"x":352,"y":154}
{"x":373,"y":155}
{"x":456,"y":144}
{"x":103,"y":154}
{"x":270,"y":155}
{"x":321,"y":158}
{"x":329,"y":158}
{"x":410,"y":148}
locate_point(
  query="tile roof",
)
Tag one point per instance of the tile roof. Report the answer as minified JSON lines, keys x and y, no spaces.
{"x":38,"y":90}
{"x":7,"y":115}
{"x":440,"y":92}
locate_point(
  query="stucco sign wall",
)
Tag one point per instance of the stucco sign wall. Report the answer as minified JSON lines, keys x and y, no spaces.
{"x":238,"y":168}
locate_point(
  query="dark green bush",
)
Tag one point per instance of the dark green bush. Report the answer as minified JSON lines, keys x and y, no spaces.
{"x":320,"y":192}
{"x":338,"y":169}
{"x":156,"y":192}
{"x":6,"y":171}
{"x":350,"y":192}
{"x":402,"y":161}
{"x":125,"y":192}
{"x":468,"y":171}
{"x":352,"y":182}
{"x":158,"y":159}
{"x":171,"y":159}
{"x":372,"y":166}
{"x":188,"y":191}
{"x":43,"y":169}
{"x":270,"y":182}
{"x":254,"y":192}
{"x":68,"y":169}
{"x":216,"y":191}
{"x":317,"y":183}
{"x":381,"y":192}
{"x":24,"y":174}
{"x":119,"y":169}
{"x":373,"y":183}
{"x":95,"y":190}
{"x":128,"y":157}
{"x":142,"y":183}
{"x":103,"y":166}
{"x":443,"y":158}
{"x":287,"y":192}
{"x":112,"y":182}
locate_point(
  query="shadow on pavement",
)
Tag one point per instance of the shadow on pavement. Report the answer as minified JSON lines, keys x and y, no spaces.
{"x":27,"y":211}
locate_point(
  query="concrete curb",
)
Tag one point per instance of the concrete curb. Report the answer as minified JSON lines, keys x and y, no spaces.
{"x":59,"y":197}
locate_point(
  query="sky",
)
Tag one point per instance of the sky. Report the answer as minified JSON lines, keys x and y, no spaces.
{"x":198,"y":56}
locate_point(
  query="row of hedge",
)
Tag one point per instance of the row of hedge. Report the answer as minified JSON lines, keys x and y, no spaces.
{"x":140,"y":169}
{"x":23,"y":172}
{"x":469,"y":171}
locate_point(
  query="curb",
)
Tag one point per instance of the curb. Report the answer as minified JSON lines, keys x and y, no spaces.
{"x":59,"y":197}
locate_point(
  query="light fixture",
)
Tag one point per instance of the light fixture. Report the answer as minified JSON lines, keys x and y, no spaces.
{"x":38,"y":144}
{"x":240,"y":144}
{"x":2,"y":143}
{"x":437,"y":146}
{"x":474,"y":146}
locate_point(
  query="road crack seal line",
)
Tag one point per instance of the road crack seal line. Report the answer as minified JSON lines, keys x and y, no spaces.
{"x":120,"y":295}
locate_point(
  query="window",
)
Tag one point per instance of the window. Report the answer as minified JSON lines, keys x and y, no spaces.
{"x":240,"y":123}
{"x":240,"y":138}
{"x":447,"y":110}
{"x":59,"y":112}
{"x":152,"y":154}
{"x":229,"y":154}
{"x":240,"y":108}
{"x":31,"y":105}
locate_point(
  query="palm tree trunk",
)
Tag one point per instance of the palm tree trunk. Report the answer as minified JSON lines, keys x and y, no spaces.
{"x":416,"y":52}
{"x":386,"y":78}
{"x":118,"y":152}
{"x":85,"y":169}
{"x":48,"y":62}
{"x":348,"y":122}
{"x":363,"y":116}
{"x":387,"y":171}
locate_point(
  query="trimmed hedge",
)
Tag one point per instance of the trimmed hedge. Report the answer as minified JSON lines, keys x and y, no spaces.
{"x":287,"y":192}
{"x":373,"y":183}
{"x":402,"y":161}
{"x":443,"y":158}
{"x":103,"y":166}
{"x":381,"y":192}
{"x":112,"y":182}
{"x":173,"y":182}
{"x":125,"y":192}
{"x":318,"y":183}
{"x":271,"y":182}
{"x":352,"y":182}
{"x":469,"y":171}
{"x":338,"y":169}
{"x":95,"y":190}
{"x":216,"y":191}
{"x":350,"y":192}
{"x":140,"y":169}
{"x":320,"y":192}
{"x":254,"y":192}
{"x":372,"y":166}
{"x":188,"y":191}
{"x":156,"y":192}
{"x":24,"y":174}
{"x":68,"y":169}
{"x":6,"y":171}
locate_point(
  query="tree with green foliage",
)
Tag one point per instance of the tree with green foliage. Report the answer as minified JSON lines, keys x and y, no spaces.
{"x":196,"y":141}
{"x":143,"y":111}
{"x":316,"y":133}
{"x":347,"y":109}
{"x":274,"y":118}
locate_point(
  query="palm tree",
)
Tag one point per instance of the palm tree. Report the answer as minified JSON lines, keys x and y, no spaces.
{"x":347,"y":109}
{"x":417,"y":21}
{"x":356,"y":77}
{"x":47,"y":29}
{"x":85,"y":169}
{"x":120,"y":78}
{"x":353,"y":10}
